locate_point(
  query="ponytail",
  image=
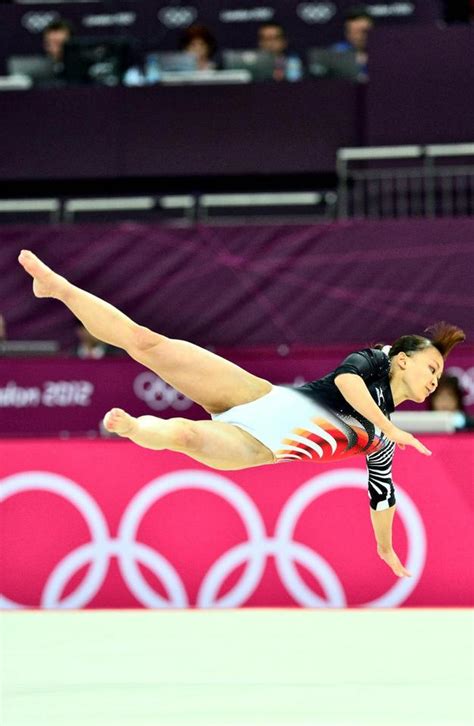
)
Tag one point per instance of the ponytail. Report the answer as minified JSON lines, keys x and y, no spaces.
{"x":445,"y":336}
{"x":442,"y":336}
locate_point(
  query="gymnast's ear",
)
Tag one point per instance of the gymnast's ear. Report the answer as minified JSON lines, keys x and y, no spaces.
{"x":400,"y":360}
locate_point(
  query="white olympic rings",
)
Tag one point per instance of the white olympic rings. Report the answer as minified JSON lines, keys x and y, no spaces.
{"x":316,"y":12}
{"x":177,"y":17}
{"x":255,"y":551}
{"x":158,"y":394}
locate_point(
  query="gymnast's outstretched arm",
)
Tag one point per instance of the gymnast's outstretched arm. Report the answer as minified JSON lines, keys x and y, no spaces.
{"x":357,"y":394}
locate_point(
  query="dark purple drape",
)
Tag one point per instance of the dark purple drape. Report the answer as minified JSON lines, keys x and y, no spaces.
{"x":245,"y":286}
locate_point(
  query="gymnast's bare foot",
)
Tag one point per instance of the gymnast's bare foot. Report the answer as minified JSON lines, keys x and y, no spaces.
{"x":46,"y":283}
{"x":389,"y":556}
{"x":119,"y":421}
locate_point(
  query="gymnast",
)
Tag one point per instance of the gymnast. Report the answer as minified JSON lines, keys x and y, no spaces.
{"x":254,"y":422}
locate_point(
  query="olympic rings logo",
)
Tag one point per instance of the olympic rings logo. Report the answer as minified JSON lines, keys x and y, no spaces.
{"x":157,"y":394}
{"x":36,"y":22}
{"x":255,"y":551}
{"x":177,"y":17}
{"x":312,"y":13}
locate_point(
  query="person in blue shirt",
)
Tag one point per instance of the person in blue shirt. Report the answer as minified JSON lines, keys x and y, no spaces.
{"x":358,"y":25}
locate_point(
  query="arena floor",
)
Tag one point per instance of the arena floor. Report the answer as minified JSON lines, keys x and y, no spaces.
{"x":238,"y":667}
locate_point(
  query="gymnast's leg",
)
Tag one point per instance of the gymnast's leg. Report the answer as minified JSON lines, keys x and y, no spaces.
{"x":218,"y":445}
{"x":207,"y":379}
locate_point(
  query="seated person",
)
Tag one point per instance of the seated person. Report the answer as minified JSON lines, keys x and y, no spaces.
{"x":198,"y":40}
{"x":357,"y":27}
{"x":46,"y":70}
{"x":448,"y":396}
{"x":55,"y":36}
{"x":272,"y":39}
{"x":88,"y":346}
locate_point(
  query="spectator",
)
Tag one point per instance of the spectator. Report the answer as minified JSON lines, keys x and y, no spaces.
{"x":272,"y":39}
{"x":198,"y":40}
{"x":55,"y":36}
{"x":357,"y":27}
{"x":449,"y":397}
{"x":89,"y":347}
{"x":46,"y":70}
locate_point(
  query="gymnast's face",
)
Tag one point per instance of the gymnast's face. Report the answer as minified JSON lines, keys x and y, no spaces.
{"x":420,"y":372}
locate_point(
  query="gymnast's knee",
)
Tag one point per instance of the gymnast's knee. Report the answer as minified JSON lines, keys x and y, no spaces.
{"x":143,"y":339}
{"x":183,"y":435}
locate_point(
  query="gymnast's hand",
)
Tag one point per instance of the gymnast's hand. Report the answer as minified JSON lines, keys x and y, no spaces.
{"x":403,"y":438}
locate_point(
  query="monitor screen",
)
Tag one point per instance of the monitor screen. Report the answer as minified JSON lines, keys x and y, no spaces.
{"x":96,"y":61}
{"x":38,"y":68}
{"x":328,"y":63}
{"x":260,"y":64}
{"x":173,"y":62}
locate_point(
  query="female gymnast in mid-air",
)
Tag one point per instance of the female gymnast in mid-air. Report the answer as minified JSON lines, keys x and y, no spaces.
{"x":254,"y":422}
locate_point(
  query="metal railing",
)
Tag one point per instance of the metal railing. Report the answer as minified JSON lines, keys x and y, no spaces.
{"x":177,"y":208}
{"x":436,"y":180}
{"x":379,"y":182}
{"x":24,"y":209}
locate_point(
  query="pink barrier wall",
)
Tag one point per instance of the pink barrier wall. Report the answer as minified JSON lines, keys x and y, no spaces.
{"x":107,"y":524}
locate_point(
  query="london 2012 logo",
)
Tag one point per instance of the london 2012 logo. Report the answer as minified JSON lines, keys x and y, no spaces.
{"x":254,"y":552}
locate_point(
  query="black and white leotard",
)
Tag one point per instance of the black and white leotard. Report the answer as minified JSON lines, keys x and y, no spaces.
{"x":314,"y":422}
